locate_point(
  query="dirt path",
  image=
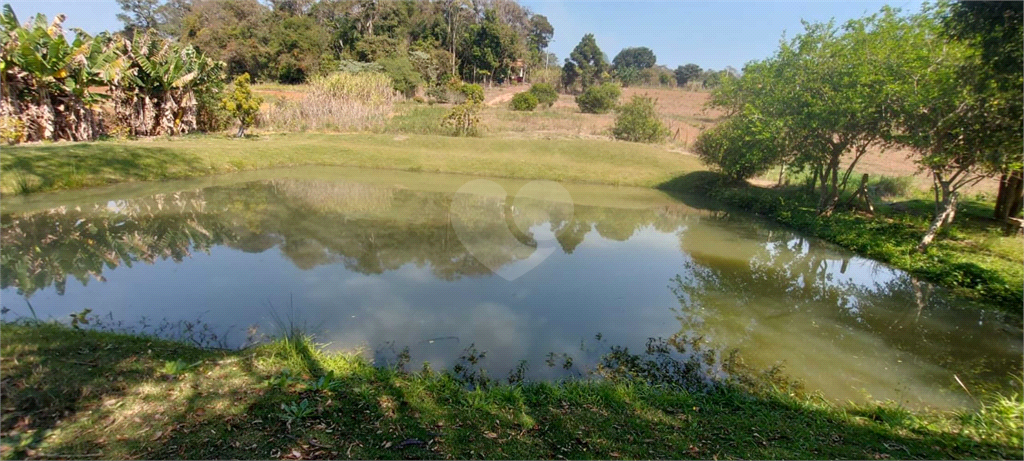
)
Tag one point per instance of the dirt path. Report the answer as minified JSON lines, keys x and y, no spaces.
{"x":504,"y":95}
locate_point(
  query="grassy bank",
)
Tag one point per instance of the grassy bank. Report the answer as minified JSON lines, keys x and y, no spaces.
{"x":972,"y":256}
{"x":76,"y":394}
{"x":43,"y":167}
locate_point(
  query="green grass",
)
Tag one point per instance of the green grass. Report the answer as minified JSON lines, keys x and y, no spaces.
{"x":43,"y":167}
{"x":78,"y":394}
{"x":418,"y":119}
{"x":972,"y":256}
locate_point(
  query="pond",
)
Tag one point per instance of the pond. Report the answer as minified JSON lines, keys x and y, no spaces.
{"x":526,"y":271}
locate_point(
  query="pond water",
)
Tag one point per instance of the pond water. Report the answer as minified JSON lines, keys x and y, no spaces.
{"x":383,"y":260}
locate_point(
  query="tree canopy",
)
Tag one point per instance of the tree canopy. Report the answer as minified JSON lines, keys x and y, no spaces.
{"x":635,"y":57}
{"x":587,"y":61}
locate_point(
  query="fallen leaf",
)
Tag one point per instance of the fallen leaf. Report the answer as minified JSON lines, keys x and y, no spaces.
{"x":490,"y":435}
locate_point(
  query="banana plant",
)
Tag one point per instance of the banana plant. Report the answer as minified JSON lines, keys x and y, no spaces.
{"x":155,"y":87}
{"x":46,"y":79}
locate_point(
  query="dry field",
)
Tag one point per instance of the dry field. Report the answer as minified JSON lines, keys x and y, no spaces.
{"x":683,"y":111}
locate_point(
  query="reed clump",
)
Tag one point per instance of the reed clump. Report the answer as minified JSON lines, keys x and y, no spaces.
{"x":336,"y":102}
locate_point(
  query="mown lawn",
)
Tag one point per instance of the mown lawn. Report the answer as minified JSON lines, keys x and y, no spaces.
{"x":55,"y":166}
{"x":77,"y":394}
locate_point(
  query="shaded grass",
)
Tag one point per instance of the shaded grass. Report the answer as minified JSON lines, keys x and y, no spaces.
{"x":77,"y":394}
{"x":972,"y":257}
{"x":74,"y":165}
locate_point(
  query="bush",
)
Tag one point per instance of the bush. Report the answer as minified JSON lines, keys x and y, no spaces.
{"x":242,"y":104}
{"x":599,"y":99}
{"x":404,"y":78}
{"x":472,"y":92}
{"x":637,"y":121}
{"x":545,"y":93}
{"x":211,"y":116}
{"x":464,"y":119}
{"x":523,"y":101}
{"x":439,"y":93}
{"x":742,"y":147}
{"x":890,"y":186}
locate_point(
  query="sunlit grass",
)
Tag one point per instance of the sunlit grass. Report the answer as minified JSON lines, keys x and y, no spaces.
{"x":82,"y":394}
{"x":73,"y":165}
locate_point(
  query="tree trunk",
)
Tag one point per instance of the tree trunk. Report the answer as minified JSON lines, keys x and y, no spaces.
{"x":941,"y":219}
{"x":830,"y":186}
{"x":241,"y":130}
{"x":1011,"y":193}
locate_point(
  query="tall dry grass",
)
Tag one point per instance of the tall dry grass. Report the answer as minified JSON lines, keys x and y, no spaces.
{"x":336,"y":102}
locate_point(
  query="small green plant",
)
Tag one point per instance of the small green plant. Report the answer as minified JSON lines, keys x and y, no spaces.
{"x":637,"y":121}
{"x":297,"y":411}
{"x":545,"y":94}
{"x":242,"y":104}
{"x":599,"y":99}
{"x":12,"y":130}
{"x":283,"y":380}
{"x":177,"y":367}
{"x":464,"y":119}
{"x":326,"y":383}
{"x":525,"y":101}
{"x":472,"y":92}
{"x":80,"y":318}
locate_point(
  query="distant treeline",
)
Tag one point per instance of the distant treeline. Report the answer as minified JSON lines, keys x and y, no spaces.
{"x":289,"y":41}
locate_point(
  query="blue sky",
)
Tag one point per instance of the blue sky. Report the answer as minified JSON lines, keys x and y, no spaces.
{"x":710,"y":34}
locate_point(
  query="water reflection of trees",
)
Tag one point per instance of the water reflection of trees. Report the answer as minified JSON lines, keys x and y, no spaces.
{"x":756,"y":287}
{"x":44,"y":248}
{"x":368,"y":229}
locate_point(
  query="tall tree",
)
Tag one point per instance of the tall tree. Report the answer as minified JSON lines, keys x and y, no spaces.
{"x":457,"y":14}
{"x":589,"y":61}
{"x":996,"y":29}
{"x":825,"y":86}
{"x":687,"y":73}
{"x":635,"y":57}
{"x":541,"y":32}
{"x":140,"y":14}
{"x":495,"y":45}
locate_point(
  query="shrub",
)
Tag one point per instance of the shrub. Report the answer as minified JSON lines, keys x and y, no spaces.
{"x":599,"y":99}
{"x":242,"y":104}
{"x":545,"y":93}
{"x":464,"y":119}
{"x":404,"y":78}
{"x":211,"y":116}
{"x":339,"y":101}
{"x":472,"y":92}
{"x":890,"y":186}
{"x":419,"y":99}
{"x":742,"y":147}
{"x":439,"y":93}
{"x":12,"y":130}
{"x":637,"y":121}
{"x":523,"y":101}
